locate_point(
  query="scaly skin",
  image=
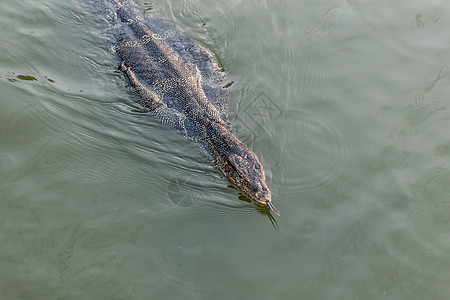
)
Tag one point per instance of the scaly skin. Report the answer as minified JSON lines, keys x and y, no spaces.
{"x":171,"y":88}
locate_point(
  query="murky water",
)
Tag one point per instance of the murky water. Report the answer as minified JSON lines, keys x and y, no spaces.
{"x":345,"y":103}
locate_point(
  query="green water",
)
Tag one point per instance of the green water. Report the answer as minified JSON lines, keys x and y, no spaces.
{"x":345,"y":103}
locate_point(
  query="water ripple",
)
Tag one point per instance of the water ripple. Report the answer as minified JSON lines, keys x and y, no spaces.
{"x":317,"y":150}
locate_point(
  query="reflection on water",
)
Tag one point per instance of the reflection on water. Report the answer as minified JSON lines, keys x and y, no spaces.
{"x":345,"y":103}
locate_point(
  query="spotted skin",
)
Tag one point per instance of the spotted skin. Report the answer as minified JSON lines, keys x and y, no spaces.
{"x":183,"y":86}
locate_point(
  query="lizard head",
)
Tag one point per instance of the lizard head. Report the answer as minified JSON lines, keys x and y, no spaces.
{"x":246,"y":172}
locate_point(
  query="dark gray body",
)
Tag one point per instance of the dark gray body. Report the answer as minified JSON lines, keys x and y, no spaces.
{"x":181,"y":83}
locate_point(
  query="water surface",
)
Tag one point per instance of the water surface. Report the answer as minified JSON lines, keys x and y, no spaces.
{"x":345,"y":103}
